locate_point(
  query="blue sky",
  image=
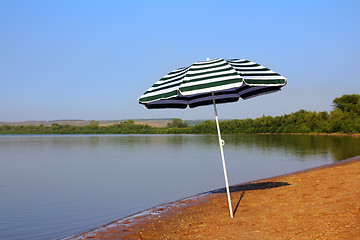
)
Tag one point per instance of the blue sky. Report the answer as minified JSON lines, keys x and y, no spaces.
{"x":93,"y":59}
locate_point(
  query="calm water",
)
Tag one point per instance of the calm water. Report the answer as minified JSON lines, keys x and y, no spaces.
{"x":56,"y":186}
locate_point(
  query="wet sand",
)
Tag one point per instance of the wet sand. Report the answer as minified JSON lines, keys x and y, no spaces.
{"x":320,"y":203}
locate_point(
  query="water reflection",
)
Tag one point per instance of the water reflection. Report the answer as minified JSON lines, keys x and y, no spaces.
{"x":340,"y":147}
{"x":304,"y":146}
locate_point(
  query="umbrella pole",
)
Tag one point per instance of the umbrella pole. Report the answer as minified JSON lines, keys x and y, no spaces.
{"x":221,"y":143}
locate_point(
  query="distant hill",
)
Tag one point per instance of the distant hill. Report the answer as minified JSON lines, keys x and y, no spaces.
{"x":161,"y":122}
{"x":48,"y":123}
{"x":164,"y":122}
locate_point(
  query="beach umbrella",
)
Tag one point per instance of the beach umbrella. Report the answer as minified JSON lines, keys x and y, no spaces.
{"x":212,"y":82}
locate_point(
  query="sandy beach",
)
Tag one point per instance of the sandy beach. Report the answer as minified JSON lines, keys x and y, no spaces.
{"x":319,"y":203}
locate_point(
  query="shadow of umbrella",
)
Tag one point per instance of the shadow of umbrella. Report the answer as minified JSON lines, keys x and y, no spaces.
{"x":250,"y":187}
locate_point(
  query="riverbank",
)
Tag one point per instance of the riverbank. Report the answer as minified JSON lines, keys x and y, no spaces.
{"x":320,"y":203}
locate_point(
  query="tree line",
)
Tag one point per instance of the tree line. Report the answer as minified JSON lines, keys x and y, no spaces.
{"x":344,"y":118}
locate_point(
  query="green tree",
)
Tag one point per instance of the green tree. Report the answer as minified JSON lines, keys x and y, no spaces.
{"x":177,"y":123}
{"x":94,"y":123}
{"x":348,"y":103}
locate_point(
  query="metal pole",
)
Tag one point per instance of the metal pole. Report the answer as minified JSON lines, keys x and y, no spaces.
{"x":221,"y":143}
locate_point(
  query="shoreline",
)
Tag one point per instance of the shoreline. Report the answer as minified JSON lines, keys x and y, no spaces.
{"x":225,"y":134}
{"x":135,"y":218}
{"x":163,"y":221}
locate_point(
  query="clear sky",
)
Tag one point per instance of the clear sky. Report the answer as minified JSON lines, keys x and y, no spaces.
{"x":66,"y":59}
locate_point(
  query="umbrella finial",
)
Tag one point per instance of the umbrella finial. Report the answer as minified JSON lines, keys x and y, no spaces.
{"x":207,"y":59}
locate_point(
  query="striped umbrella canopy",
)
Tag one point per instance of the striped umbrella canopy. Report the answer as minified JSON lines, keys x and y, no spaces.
{"x":228,"y":79}
{"x":210,"y":82}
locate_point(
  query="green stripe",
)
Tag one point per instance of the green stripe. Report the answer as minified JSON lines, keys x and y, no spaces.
{"x":252,"y":70}
{"x":208,"y":85}
{"x":260,"y":74}
{"x":250,"y":65}
{"x":264,"y":81}
{"x":163,"y":88}
{"x":160,"y":84}
{"x":175,"y":74}
{"x":159,"y":96}
{"x":236,"y":61}
{"x":177,"y":78}
{"x":229,"y":69}
{"x":214,"y":77}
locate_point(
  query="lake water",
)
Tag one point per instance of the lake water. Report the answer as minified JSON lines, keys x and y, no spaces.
{"x":56,"y":186}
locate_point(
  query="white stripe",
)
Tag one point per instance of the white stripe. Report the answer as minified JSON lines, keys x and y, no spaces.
{"x":245,"y":64}
{"x":180,"y":69}
{"x":207,"y":70}
{"x":212,"y":75}
{"x":263,"y":85}
{"x":263,"y":77}
{"x":168,"y":101}
{"x":236,"y":60}
{"x":219,"y":79}
{"x":168,"y":76}
{"x":165,"y":85}
{"x":207,"y":65}
{"x":257,"y":72}
{"x":210,"y":61}
{"x":170,"y":79}
{"x":247,"y":68}
{"x":176,"y":71}
{"x":207,"y":98}
{"x":159,"y":92}
{"x":211,"y":89}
